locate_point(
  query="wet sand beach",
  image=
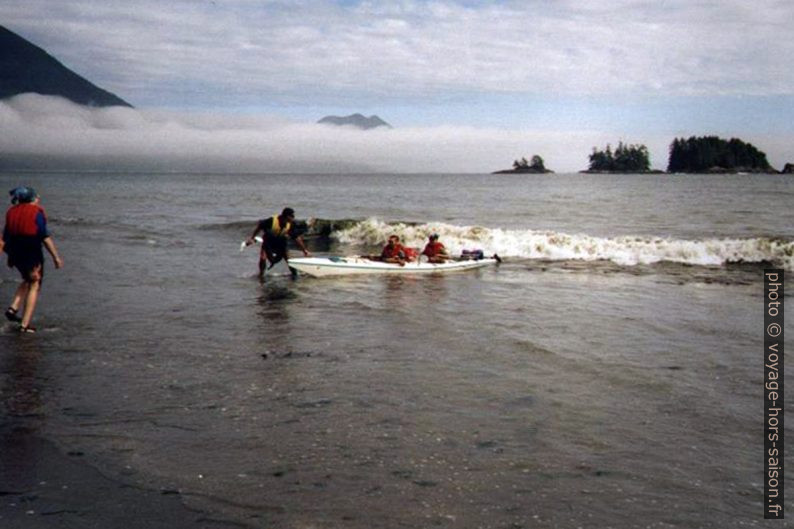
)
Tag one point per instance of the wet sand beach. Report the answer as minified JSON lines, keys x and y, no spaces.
{"x":43,"y":487}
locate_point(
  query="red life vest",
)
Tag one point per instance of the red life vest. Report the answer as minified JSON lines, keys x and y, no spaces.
{"x":21,"y":220}
{"x":433,"y":249}
{"x":410,"y":253}
{"x":393,"y":251}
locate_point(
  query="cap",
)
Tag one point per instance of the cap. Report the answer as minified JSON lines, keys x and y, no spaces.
{"x":22,"y":195}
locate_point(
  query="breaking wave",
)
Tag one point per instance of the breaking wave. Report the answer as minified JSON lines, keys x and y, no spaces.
{"x":550,"y":245}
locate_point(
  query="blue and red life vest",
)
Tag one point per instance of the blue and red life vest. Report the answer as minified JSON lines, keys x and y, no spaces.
{"x":26,"y":220}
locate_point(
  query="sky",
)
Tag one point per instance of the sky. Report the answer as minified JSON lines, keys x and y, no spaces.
{"x":467,"y":85}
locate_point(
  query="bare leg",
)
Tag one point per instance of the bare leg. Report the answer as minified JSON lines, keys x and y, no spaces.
{"x":262,"y":263}
{"x":34,"y":286}
{"x":19,"y":296}
{"x":262,"y":267}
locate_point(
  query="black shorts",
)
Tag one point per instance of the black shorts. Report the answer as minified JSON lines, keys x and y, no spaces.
{"x":25,"y":254}
{"x":275,"y":249}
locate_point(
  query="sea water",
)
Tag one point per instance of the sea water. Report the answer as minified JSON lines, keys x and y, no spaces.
{"x":607,"y":374}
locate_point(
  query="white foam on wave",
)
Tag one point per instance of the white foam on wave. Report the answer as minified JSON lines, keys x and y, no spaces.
{"x":532,"y":244}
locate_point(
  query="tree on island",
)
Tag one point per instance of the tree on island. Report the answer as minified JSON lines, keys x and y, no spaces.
{"x":713,"y":154}
{"x":625,"y":159}
{"x":535,"y":166}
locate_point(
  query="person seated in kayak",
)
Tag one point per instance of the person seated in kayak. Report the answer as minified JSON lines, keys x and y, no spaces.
{"x":435,"y":250}
{"x":276,"y":232}
{"x":393,"y":252}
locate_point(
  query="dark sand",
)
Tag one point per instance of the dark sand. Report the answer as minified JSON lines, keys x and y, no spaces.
{"x":45,"y":485}
{"x":42,"y":487}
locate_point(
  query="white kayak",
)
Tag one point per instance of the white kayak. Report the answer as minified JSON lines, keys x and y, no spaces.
{"x":354,"y":265}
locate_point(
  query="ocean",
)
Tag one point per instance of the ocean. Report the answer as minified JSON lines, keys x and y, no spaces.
{"x":607,"y":374}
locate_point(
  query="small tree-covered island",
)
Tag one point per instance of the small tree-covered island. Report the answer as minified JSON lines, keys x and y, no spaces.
{"x":536,"y":166}
{"x":710,"y":154}
{"x":707,"y":154}
{"x":625,"y":159}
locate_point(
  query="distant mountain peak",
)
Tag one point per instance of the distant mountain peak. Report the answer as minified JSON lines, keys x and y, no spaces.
{"x":24,"y":67}
{"x":356,"y":120}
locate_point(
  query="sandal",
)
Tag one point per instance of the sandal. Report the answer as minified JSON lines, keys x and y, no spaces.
{"x":11,"y":315}
{"x":27,"y":330}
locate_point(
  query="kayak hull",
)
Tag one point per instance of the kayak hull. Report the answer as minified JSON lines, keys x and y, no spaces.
{"x":344,"y":266}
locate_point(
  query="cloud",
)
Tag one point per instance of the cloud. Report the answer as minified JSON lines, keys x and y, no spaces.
{"x":52,"y":133}
{"x":244,"y":52}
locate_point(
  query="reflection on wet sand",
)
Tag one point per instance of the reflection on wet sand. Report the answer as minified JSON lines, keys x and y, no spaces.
{"x":20,"y":393}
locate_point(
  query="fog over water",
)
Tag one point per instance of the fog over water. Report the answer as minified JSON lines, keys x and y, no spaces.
{"x":118,"y":138}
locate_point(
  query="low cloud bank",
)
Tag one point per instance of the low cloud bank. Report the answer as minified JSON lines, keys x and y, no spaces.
{"x":50,"y":133}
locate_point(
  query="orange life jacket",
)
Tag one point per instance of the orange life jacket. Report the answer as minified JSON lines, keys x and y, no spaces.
{"x":390,"y":252}
{"x":433,"y":249}
{"x":410,"y":253}
{"x":21,"y":220}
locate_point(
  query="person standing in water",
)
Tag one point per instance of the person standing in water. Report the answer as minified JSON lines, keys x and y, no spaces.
{"x":24,"y":234}
{"x":276,"y":232}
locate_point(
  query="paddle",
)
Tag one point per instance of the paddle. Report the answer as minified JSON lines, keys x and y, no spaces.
{"x":244,"y":244}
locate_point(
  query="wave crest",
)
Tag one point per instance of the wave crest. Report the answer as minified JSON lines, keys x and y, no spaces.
{"x":551,"y":245}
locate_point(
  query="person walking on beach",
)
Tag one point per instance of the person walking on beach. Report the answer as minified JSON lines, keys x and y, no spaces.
{"x":24,"y":234}
{"x":276,"y":232}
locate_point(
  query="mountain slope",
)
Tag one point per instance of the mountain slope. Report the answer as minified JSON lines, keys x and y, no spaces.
{"x":24,"y":67}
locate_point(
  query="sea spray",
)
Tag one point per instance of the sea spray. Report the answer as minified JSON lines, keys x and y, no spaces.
{"x":551,"y":245}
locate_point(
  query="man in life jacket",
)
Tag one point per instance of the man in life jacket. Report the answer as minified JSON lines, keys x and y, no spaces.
{"x":276,"y":232}
{"x":24,"y":234}
{"x":435,"y":250}
{"x":393,"y":252}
